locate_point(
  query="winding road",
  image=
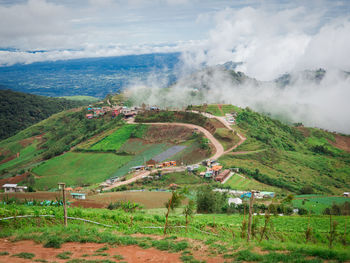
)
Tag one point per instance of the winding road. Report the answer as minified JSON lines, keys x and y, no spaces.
{"x":218,"y":146}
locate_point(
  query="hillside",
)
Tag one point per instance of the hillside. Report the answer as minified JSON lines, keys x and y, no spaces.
{"x":20,"y":110}
{"x":86,"y":152}
{"x":285,"y":156}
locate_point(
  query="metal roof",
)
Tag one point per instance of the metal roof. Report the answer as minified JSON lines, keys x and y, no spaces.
{"x":80,"y":194}
{"x":9,"y":185}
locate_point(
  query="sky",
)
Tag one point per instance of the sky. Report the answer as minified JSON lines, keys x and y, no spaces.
{"x":267,"y":37}
{"x":290,"y":35}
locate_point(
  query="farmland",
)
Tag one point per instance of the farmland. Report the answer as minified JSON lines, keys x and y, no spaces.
{"x":240,"y":182}
{"x":220,"y":241}
{"x":116,"y":139}
{"x":317,"y":204}
{"x":78,"y":169}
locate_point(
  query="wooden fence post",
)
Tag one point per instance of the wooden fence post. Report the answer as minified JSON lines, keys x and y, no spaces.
{"x":62,"y":186}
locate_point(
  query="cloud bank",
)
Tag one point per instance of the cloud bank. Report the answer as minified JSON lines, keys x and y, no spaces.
{"x":267,"y":45}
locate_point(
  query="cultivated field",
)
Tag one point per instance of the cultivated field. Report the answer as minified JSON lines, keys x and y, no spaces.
{"x":76,"y":169}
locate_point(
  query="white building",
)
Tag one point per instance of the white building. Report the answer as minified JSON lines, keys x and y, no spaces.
{"x":12,"y":188}
{"x":236,"y":201}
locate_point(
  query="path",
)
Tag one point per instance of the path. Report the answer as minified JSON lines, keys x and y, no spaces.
{"x":227,"y":125}
{"x":137,"y":176}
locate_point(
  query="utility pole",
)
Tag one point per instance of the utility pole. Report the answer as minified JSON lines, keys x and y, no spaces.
{"x":62,"y":186}
{"x":250,"y":215}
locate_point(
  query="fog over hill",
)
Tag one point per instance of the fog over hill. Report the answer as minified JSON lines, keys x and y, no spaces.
{"x":316,"y":101}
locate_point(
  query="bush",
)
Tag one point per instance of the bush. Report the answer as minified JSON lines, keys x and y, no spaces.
{"x":54,"y":241}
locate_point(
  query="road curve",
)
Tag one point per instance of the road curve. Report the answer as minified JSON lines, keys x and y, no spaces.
{"x":218,"y":146}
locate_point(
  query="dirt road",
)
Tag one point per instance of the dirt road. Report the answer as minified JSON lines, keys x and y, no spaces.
{"x":219,"y":149}
{"x":218,"y":146}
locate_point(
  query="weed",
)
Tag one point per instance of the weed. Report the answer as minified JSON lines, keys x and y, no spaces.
{"x":54,"y":241}
{"x":102,"y":249}
{"x":25,"y":255}
{"x":246,"y":255}
{"x":41,"y":260}
{"x":4,"y":253}
{"x":118,"y":257}
{"x":64,"y":255}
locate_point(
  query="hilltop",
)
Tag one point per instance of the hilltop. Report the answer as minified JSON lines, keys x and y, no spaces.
{"x":20,"y":110}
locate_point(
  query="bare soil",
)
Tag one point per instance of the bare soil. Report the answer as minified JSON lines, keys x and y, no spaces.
{"x":147,"y":199}
{"x":14,"y":180}
{"x":167,"y":133}
{"x":36,"y":195}
{"x":341,"y":142}
{"x":8,"y":159}
{"x":304,"y":131}
{"x":130,"y":254}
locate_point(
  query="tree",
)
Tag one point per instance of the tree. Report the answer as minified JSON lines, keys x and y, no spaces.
{"x":189,"y":211}
{"x":171,"y":204}
{"x":307,"y":189}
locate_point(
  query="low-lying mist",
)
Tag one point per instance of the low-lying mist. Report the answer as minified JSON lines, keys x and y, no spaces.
{"x":322,"y":103}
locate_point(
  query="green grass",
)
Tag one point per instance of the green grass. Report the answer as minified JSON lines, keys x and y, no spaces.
{"x":214,"y":109}
{"x":317,"y":204}
{"x":226,"y":137}
{"x":64,"y":255}
{"x":78,"y":168}
{"x":115,"y":140}
{"x":243,"y":183}
{"x":4,"y":253}
{"x":24,"y":255}
{"x":27,"y":154}
{"x":81,"y":98}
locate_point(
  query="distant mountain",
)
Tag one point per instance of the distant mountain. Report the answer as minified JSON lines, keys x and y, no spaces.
{"x":20,"y":110}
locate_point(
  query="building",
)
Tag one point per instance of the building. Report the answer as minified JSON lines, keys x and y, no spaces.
{"x":216,"y":169}
{"x":79,"y":196}
{"x":236,"y":201}
{"x":12,"y":188}
{"x":223,"y":175}
{"x":346,"y":194}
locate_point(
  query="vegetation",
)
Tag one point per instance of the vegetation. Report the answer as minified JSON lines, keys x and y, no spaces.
{"x":282,"y":156}
{"x":20,"y":110}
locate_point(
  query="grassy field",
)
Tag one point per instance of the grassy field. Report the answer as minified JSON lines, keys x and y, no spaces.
{"x":78,"y":169}
{"x":317,"y":204}
{"x":239,"y":182}
{"x":83,"y":98}
{"x":219,"y":235}
{"x":226,"y":137}
{"x":115,"y":140}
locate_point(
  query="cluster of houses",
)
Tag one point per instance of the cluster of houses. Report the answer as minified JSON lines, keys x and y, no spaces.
{"x":239,"y":196}
{"x":231,"y":117}
{"x":152,"y":164}
{"x":213,"y":171}
{"x":95,"y":112}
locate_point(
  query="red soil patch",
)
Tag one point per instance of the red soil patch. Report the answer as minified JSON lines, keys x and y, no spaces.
{"x":131,"y":254}
{"x":147,"y":199}
{"x":8,"y":159}
{"x":304,"y":131}
{"x":26,"y":142}
{"x":88,"y":204}
{"x":167,"y":133}
{"x":36,"y":195}
{"x":341,"y":142}
{"x":4,"y":152}
{"x":14,"y":180}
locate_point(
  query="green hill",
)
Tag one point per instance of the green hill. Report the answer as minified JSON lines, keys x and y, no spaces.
{"x":20,"y":110}
{"x":275,"y":156}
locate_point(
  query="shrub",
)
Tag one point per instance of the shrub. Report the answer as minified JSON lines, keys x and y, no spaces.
{"x":54,"y":241}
